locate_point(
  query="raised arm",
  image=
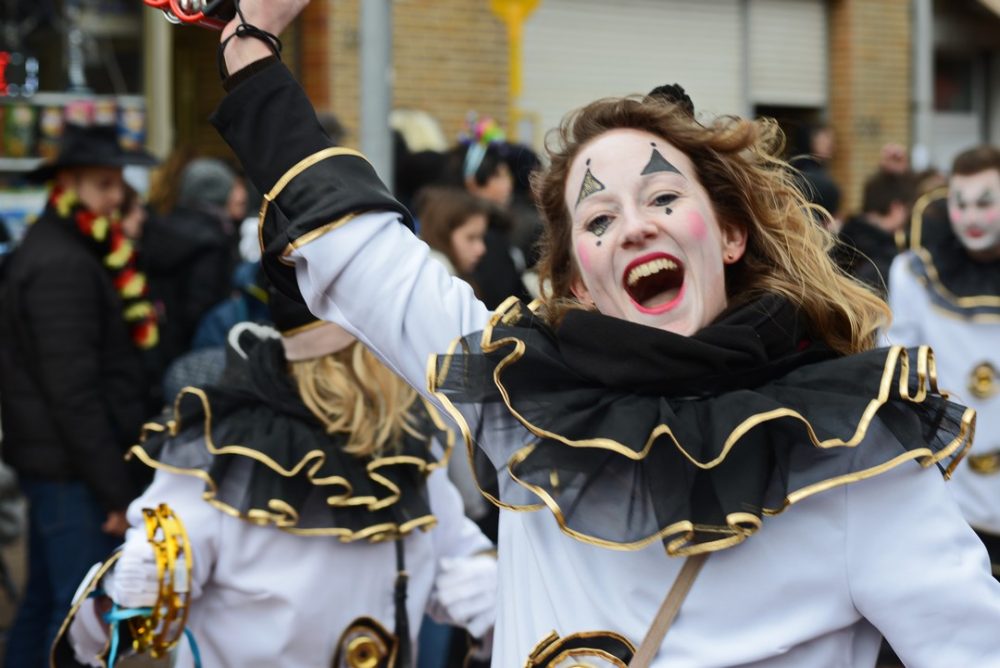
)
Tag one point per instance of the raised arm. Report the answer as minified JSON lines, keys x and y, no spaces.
{"x":330,"y":229}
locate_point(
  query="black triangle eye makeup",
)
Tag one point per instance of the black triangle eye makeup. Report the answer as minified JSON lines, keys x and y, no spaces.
{"x":657,"y":163}
{"x":589,"y":186}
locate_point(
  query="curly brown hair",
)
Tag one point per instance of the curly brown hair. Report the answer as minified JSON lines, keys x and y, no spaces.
{"x":737,"y":163}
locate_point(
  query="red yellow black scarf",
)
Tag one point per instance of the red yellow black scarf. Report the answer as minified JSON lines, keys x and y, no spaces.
{"x":119,"y":258}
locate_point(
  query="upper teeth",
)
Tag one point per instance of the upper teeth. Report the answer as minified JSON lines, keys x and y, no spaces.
{"x":650,"y":268}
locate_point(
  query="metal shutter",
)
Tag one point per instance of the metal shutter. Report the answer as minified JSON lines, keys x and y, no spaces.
{"x":576,"y":51}
{"x":789,"y":65}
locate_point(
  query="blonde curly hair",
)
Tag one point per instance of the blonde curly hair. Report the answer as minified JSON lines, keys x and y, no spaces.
{"x":351,"y":392}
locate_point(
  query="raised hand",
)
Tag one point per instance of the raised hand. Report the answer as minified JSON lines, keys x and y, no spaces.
{"x":271,"y":16}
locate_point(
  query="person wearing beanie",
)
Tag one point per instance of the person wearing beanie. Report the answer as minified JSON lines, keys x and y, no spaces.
{"x":190,"y":254}
{"x":320,"y":519}
{"x":75,"y":325}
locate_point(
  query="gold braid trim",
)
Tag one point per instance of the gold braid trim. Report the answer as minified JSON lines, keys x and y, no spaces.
{"x":285,"y":179}
{"x":280,"y":513}
{"x":89,"y":589}
{"x":680,"y":536}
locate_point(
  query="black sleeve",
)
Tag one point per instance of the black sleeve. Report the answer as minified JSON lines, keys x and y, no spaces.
{"x":63,"y":312}
{"x":271,"y":126}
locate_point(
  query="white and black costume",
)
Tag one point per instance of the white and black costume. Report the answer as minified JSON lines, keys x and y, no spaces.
{"x":943,"y":298}
{"x":620,"y":441}
{"x":294,"y":541}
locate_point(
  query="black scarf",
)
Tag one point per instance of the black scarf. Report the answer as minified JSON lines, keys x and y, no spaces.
{"x":745,"y":346}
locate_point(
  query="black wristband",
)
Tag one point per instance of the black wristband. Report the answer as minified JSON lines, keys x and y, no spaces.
{"x":246,"y":30}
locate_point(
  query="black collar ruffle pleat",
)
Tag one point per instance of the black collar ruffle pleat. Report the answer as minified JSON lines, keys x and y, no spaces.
{"x":630,"y":434}
{"x":266,"y":459}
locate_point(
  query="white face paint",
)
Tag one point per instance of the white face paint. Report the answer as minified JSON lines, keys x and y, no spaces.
{"x":645,"y":235}
{"x":974,"y":210}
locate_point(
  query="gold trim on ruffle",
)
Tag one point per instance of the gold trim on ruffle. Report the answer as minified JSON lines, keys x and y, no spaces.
{"x":313,"y":235}
{"x":917,"y":214}
{"x":933,"y":279}
{"x":75,"y":608}
{"x":287,"y":177}
{"x":740,"y":525}
{"x":280,"y":513}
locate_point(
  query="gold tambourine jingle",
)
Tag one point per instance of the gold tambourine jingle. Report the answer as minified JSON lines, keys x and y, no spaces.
{"x":162,"y":629}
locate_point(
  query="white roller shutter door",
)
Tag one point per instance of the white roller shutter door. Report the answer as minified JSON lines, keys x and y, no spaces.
{"x":576,"y":51}
{"x":789,"y":62}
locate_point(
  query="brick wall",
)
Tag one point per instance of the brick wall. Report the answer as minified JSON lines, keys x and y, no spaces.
{"x":869,"y":86}
{"x":315,"y":55}
{"x":449,"y":57}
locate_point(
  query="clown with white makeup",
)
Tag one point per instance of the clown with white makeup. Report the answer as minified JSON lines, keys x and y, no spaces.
{"x":320,"y":519}
{"x":945,"y":292}
{"x":698,"y":379}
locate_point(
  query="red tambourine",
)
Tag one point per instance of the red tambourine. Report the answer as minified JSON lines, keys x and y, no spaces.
{"x":214,"y":14}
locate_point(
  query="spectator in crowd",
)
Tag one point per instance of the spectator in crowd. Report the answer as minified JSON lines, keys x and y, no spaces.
{"x":812,"y":154}
{"x":165,"y":180}
{"x":479,"y":164}
{"x":74,"y":320}
{"x":871,"y":240}
{"x":453,"y":223}
{"x":190,"y":254}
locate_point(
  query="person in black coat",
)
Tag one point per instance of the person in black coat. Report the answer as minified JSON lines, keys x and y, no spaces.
{"x":814,"y":149}
{"x":190,"y":254}
{"x":74,"y":323}
{"x":868,"y":242}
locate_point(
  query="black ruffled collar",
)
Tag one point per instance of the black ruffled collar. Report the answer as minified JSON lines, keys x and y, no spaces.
{"x":954,"y":281}
{"x":265,"y":458}
{"x":699,"y":438}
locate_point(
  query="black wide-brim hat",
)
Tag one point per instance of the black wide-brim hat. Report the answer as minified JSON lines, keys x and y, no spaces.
{"x":90,"y":146}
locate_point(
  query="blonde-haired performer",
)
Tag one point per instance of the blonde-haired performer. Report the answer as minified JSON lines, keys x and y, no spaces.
{"x":321,"y":521}
{"x":700,"y":381}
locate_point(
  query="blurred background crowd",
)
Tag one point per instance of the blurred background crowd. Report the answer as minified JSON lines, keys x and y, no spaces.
{"x":876,"y":98}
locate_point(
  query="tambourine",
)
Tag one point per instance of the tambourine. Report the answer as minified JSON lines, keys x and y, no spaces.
{"x":162,"y":629}
{"x":213,"y":14}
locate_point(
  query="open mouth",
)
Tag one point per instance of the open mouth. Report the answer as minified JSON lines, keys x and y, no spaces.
{"x":655,"y":282}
